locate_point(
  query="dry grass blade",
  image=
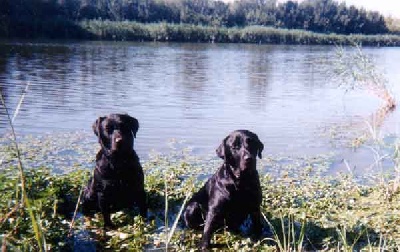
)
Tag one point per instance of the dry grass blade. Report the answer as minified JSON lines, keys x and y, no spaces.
{"x":171,"y":233}
{"x":4,"y":244}
{"x":71,"y":225}
{"x":20,"y":102}
{"x":166,"y":210}
{"x":13,"y":210}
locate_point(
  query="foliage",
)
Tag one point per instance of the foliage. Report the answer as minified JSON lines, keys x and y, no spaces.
{"x":51,"y":197}
{"x":304,"y":209}
{"x":393,"y":25}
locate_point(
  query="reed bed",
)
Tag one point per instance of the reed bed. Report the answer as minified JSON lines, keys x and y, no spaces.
{"x":165,"y":32}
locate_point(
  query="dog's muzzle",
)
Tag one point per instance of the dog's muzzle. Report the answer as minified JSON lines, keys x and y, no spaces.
{"x":248,"y":161}
{"x":117,"y":141}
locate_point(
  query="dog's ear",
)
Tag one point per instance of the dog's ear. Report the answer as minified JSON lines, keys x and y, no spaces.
{"x":222,"y":149}
{"x":260,"y":149}
{"x":133,"y":124}
{"x":96,"y":125}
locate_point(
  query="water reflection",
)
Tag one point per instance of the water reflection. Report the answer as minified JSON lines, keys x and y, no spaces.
{"x":260,"y":71}
{"x":191,"y":74}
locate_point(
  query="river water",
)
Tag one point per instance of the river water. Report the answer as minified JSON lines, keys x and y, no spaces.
{"x":193,"y":95}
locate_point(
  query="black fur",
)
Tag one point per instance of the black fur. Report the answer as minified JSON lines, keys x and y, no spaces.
{"x":233,"y":192}
{"x":118,"y":179}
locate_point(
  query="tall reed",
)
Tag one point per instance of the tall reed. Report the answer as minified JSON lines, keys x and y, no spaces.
{"x":40,"y":239}
{"x":287,"y":240}
{"x":356,"y":70}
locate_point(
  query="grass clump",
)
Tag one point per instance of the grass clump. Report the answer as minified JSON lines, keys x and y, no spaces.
{"x":49,"y":195}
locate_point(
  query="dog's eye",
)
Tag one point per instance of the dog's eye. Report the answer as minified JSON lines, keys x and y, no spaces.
{"x":236,"y":147}
{"x":109,"y":128}
{"x":124,"y":128}
{"x":253,"y":149}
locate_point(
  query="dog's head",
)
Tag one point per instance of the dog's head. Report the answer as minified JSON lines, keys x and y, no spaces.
{"x":116,"y":132}
{"x":240,"y":150}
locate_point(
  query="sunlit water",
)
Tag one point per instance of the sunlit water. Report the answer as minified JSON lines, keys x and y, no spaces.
{"x":193,"y":95}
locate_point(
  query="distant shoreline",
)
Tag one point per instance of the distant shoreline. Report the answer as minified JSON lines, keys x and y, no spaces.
{"x":165,"y":32}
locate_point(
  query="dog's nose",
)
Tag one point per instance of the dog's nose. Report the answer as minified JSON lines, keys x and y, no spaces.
{"x":248,"y":157}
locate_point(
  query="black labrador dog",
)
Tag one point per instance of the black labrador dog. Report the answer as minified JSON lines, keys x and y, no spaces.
{"x":233,"y":192}
{"x":118,"y":179}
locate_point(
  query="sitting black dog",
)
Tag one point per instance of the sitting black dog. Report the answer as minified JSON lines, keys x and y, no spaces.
{"x":233,"y":192}
{"x":118,"y":180}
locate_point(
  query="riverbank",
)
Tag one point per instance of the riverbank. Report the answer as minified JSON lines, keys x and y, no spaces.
{"x":132,"y":31}
{"x":167,"y":32}
{"x":303,"y":209}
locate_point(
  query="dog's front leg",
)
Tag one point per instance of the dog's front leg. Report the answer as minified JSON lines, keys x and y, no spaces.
{"x":104,"y":206}
{"x":142,"y":203}
{"x":213,"y":217}
{"x":256,"y":222}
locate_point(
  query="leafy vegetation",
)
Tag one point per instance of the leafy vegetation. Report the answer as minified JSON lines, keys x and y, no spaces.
{"x":393,"y":25}
{"x":83,"y":19}
{"x":303,"y":208}
{"x":48,"y":195}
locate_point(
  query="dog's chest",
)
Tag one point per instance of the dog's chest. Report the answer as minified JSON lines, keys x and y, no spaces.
{"x":122,"y":169}
{"x":245,"y":193}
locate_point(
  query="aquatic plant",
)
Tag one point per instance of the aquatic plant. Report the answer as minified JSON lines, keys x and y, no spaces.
{"x":304,"y":209}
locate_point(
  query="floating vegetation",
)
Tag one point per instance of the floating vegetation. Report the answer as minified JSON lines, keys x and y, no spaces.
{"x":61,"y":152}
{"x":303,"y":207}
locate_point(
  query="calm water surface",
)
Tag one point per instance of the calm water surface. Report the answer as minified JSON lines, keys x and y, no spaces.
{"x":195,"y":94}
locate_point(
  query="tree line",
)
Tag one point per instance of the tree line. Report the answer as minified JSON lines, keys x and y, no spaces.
{"x":58,"y":18}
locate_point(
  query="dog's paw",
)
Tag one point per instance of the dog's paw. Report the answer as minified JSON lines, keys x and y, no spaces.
{"x":109,"y":226}
{"x":205,"y":248}
{"x":205,"y":245}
